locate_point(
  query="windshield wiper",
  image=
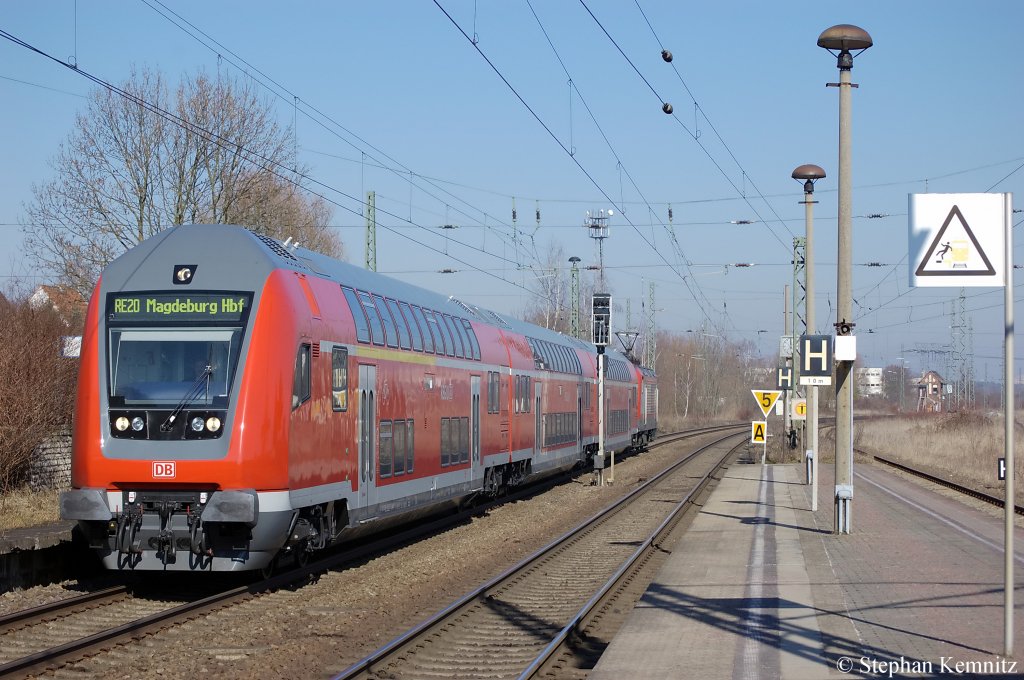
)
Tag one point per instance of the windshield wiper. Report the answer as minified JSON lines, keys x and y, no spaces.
{"x":192,"y":393}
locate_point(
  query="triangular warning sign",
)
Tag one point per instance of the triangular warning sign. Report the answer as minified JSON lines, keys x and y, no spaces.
{"x":766,"y":399}
{"x":955,"y":251}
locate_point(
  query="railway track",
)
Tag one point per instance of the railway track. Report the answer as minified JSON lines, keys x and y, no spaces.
{"x":974,"y":493}
{"x":57,"y":634}
{"x":545,"y":611}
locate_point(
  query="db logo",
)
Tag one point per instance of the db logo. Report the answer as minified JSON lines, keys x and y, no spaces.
{"x":163,"y":469}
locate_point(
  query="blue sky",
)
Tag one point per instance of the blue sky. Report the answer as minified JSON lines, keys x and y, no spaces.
{"x":938,"y":109}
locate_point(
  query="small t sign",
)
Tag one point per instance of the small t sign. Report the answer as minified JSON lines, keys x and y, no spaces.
{"x":1002,"y":469}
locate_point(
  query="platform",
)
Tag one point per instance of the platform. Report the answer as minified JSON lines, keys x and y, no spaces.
{"x":760,"y":587}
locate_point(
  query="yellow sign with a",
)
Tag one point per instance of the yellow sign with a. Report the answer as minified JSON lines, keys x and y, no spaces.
{"x":766,"y":399}
{"x":799,"y":409}
{"x":758,"y":428}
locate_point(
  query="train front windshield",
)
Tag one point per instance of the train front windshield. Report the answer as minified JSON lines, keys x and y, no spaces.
{"x":163,"y":366}
{"x":166,"y":349}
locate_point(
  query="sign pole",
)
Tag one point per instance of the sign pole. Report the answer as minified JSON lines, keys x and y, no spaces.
{"x":1008,"y":388}
{"x":813,"y":407}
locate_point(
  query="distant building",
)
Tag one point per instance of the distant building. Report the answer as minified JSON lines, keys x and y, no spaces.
{"x":869,"y":382}
{"x":930,"y":390}
{"x":67,"y":302}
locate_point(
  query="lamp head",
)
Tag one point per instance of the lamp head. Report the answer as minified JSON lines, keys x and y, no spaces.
{"x":841,"y":39}
{"x":810,"y":174}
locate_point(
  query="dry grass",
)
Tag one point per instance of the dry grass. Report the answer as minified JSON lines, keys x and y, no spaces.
{"x":963,"y":447}
{"x":24,"y":508}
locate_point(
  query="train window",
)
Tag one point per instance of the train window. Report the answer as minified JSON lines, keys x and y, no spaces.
{"x":421,"y":321}
{"x":446,"y":441}
{"x":460,"y":333}
{"x":519,"y":393}
{"x":398,"y":439}
{"x":403,"y":329}
{"x":300,"y":385}
{"x":410,"y":435}
{"x":376,"y":327}
{"x":493,"y":385}
{"x":463,"y":440}
{"x":385,"y":448}
{"x":435,"y":331}
{"x":358,"y":316}
{"x":526,"y":393}
{"x":389,"y":323}
{"x":472,"y":338}
{"x":339,"y":379}
{"x":446,"y":336}
{"x":414,"y":329}
{"x":460,"y":330}
{"x":456,"y":336}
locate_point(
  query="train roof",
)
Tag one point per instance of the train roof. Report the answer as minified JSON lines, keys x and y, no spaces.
{"x":243,"y":260}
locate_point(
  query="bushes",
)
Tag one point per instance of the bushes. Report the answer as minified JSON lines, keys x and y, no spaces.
{"x":37,"y":389}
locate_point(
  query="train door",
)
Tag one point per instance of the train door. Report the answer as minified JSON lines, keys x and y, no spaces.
{"x":474,"y":423}
{"x":538,"y":420}
{"x":579,"y":417}
{"x":367,"y":434}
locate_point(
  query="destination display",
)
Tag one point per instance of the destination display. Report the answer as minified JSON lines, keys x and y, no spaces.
{"x":177,"y":307}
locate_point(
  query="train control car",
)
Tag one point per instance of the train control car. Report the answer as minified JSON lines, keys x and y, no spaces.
{"x":241,"y":399}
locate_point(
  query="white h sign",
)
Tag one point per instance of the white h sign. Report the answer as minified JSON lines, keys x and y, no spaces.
{"x":815,"y":359}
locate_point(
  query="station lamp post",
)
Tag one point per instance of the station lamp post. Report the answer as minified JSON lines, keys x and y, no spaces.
{"x":839,"y":41}
{"x":809,"y":174}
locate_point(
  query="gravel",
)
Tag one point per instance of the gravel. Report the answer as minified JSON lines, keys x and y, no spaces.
{"x":322,"y":628}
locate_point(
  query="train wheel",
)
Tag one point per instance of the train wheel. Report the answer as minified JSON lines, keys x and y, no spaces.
{"x":268,"y":570}
{"x":302,"y":554}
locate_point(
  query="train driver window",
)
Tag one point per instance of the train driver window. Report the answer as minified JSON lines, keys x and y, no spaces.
{"x":339,"y":379}
{"x":300,"y":386}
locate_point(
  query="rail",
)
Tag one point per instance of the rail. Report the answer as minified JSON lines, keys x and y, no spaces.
{"x":974,"y":493}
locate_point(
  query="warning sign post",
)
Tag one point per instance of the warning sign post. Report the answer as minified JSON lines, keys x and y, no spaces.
{"x":967,"y":240}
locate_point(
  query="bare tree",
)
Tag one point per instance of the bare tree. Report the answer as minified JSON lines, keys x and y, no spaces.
{"x":128,"y":171}
{"x":550,"y":306}
{"x":280,"y":209}
{"x":34,"y":395}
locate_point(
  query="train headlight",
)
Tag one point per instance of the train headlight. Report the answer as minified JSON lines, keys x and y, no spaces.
{"x":138,"y":423}
{"x":213,"y":423}
{"x":197,"y":424}
{"x":122,"y":424}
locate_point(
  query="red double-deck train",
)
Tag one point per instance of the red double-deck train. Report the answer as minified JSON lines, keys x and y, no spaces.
{"x":240,"y":399}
